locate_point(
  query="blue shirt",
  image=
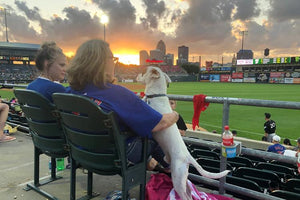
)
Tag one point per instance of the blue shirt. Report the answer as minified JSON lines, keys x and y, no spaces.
{"x":276,"y":148}
{"x":46,"y":87}
{"x":133,"y":113}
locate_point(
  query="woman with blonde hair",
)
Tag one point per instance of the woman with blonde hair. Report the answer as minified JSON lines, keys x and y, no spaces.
{"x":51,"y":62}
{"x":91,"y":73}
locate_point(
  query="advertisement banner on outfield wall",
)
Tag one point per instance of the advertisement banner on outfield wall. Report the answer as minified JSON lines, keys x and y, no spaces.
{"x":214,"y":77}
{"x":262,"y":77}
{"x":225,"y":78}
{"x":238,"y":75}
{"x":237,"y":80}
{"x":277,"y":74}
{"x":276,"y":80}
{"x":204,"y":77}
{"x":249,"y":80}
{"x":296,"y":80}
{"x":295,"y":75}
{"x":288,"y":80}
{"x":249,"y":74}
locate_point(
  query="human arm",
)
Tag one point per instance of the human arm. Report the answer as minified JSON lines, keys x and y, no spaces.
{"x":167,"y":120}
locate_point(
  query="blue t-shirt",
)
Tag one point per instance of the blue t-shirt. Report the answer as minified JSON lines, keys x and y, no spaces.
{"x":46,"y":87}
{"x":133,"y":113}
{"x":276,"y":148}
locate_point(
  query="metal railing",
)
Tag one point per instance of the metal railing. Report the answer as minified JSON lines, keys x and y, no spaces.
{"x":227,"y":101}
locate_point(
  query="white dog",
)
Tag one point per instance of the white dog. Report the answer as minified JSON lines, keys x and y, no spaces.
{"x":170,"y":140}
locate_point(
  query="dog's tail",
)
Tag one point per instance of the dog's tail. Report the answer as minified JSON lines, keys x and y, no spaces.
{"x":206,"y":173}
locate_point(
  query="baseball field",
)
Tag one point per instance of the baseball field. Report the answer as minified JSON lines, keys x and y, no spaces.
{"x":247,"y":120}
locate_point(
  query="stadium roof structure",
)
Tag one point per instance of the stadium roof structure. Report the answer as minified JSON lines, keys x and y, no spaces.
{"x":12,"y":45}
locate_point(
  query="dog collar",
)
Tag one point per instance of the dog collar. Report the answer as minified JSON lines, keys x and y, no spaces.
{"x":155,"y":95}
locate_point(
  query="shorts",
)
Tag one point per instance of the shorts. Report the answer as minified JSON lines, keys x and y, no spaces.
{"x":135,"y":147}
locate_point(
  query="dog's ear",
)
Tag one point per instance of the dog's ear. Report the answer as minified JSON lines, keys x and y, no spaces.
{"x":154,"y":73}
{"x":168,"y":80}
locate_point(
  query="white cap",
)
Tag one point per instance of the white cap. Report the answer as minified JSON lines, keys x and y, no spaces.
{"x":276,"y":138}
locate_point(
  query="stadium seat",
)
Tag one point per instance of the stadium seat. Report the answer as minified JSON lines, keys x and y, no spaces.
{"x":240,"y":162}
{"x":97,"y":144}
{"x":211,"y":165}
{"x":282,"y":171}
{"x":245,"y":183}
{"x":289,"y":165}
{"x":196,"y":146}
{"x":285,"y":195}
{"x":254,"y":159}
{"x":201,"y":153}
{"x":47,"y":134}
{"x":262,"y":178}
{"x":293,"y":185}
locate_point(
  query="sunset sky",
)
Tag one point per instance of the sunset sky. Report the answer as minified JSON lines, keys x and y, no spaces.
{"x":210,"y":28}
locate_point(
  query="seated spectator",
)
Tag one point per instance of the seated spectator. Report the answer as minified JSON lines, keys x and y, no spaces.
{"x":92,"y":74}
{"x":180,"y":123}
{"x":287,"y":141}
{"x":276,"y":147}
{"x":51,"y":62}
{"x":4,"y":108}
{"x":234,"y":132}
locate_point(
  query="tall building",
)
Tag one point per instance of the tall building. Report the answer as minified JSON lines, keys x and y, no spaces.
{"x":183,"y":55}
{"x":143,"y":57}
{"x":162,"y":47}
{"x":169,"y":59}
{"x":156,"y":54}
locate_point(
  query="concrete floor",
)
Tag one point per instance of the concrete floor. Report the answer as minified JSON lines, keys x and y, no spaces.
{"x":16,"y":170}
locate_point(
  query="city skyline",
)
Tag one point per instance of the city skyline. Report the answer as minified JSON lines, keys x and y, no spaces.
{"x":210,"y":28}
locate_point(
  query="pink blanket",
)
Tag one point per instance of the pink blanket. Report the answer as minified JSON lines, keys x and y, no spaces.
{"x":160,"y":187}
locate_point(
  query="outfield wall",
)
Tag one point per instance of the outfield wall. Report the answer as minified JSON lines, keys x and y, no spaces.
{"x":251,"y":77}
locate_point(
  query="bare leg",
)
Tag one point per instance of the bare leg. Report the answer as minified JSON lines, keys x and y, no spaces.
{"x":4,"y":108}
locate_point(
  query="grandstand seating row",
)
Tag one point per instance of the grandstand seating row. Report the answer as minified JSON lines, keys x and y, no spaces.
{"x":250,"y":172}
{"x":16,"y":73}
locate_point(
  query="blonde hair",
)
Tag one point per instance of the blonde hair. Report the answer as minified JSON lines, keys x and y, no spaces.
{"x":88,"y":65}
{"x":48,"y":51}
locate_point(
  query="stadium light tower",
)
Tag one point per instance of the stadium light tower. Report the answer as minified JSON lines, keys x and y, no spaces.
{"x":4,"y":9}
{"x":243,"y":33}
{"x":104,"y":21}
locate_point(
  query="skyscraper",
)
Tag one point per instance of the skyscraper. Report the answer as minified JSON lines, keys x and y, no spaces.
{"x":162,"y":47}
{"x":143,"y":57}
{"x":169,"y":59}
{"x":183,"y":55}
{"x":156,"y":54}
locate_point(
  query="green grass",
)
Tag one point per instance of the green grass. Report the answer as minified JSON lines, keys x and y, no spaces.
{"x":247,"y":120}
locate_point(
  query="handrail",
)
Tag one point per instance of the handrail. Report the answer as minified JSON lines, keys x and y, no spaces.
{"x":241,"y":101}
{"x":246,"y":151}
{"x":233,"y":188}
